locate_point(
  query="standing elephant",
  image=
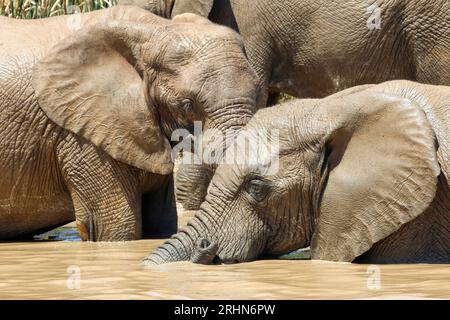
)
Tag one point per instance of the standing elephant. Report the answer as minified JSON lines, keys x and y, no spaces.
{"x":314,"y":48}
{"x":88,"y":105}
{"x":362,"y":175}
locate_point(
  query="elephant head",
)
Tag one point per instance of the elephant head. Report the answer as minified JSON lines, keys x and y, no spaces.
{"x":192,"y":180}
{"x":127,"y":85}
{"x":351,"y":169}
{"x":172,"y":8}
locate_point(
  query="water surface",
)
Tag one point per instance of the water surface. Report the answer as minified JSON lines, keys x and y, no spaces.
{"x":77,"y":270}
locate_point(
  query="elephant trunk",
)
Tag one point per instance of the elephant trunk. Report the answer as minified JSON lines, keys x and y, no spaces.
{"x":191,"y":184}
{"x":178,"y":248}
{"x":192,"y":179}
{"x":185,"y":246}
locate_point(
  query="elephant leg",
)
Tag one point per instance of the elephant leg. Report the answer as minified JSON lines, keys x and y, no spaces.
{"x":159,"y":211}
{"x":105,"y":195}
{"x":101,"y":220}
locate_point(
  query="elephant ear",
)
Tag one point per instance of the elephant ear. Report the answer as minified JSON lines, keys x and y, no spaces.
{"x":382,"y":174}
{"x":88,"y":85}
{"x":199,"y":7}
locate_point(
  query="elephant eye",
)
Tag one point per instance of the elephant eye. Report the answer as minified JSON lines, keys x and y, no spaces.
{"x":257,"y":188}
{"x":187,"y":105}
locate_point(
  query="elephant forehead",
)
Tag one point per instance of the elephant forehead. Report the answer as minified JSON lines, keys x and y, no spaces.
{"x":206,"y":34}
{"x":284,"y":117}
{"x":289,"y":126}
{"x":227,"y":177}
{"x":252,"y":151}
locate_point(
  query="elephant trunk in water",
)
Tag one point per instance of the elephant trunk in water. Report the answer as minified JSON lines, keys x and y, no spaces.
{"x":185,"y":246}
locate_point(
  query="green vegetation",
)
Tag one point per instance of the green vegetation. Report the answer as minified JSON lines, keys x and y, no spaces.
{"x":283,"y":97}
{"x":302,"y":254}
{"x":35,"y":9}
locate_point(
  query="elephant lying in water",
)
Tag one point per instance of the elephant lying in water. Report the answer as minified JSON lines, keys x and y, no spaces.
{"x":86,"y":116}
{"x":313,"y":48}
{"x":363,"y":175}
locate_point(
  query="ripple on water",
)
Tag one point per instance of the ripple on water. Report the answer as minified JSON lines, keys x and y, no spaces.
{"x":74,"y":270}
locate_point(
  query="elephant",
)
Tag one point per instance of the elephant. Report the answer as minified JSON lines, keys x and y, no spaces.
{"x":314,"y":48}
{"x":360,"y":176}
{"x":88,"y":106}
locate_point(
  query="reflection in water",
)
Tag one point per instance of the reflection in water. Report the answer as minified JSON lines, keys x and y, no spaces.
{"x":64,"y":233}
{"x":66,"y":270}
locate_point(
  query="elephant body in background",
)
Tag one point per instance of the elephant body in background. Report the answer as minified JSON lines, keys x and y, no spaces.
{"x":311,"y":49}
{"x":86,"y":116}
{"x":362,"y":175}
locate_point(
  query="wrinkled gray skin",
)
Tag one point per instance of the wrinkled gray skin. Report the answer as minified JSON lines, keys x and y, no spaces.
{"x":363,"y":176}
{"x":313,"y":48}
{"x":86,"y":116}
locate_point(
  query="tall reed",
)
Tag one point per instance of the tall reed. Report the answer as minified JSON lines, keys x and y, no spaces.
{"x":35,"y":9}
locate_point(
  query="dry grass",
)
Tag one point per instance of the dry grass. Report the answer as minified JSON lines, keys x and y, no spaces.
{"x":35,"y":9}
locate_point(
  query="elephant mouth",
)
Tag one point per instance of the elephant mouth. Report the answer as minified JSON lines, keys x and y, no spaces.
{"x":230,"y":261}
{"x":206,"y":253}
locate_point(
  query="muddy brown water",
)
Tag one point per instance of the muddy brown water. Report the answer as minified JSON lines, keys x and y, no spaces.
{"x":76,"y":270}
